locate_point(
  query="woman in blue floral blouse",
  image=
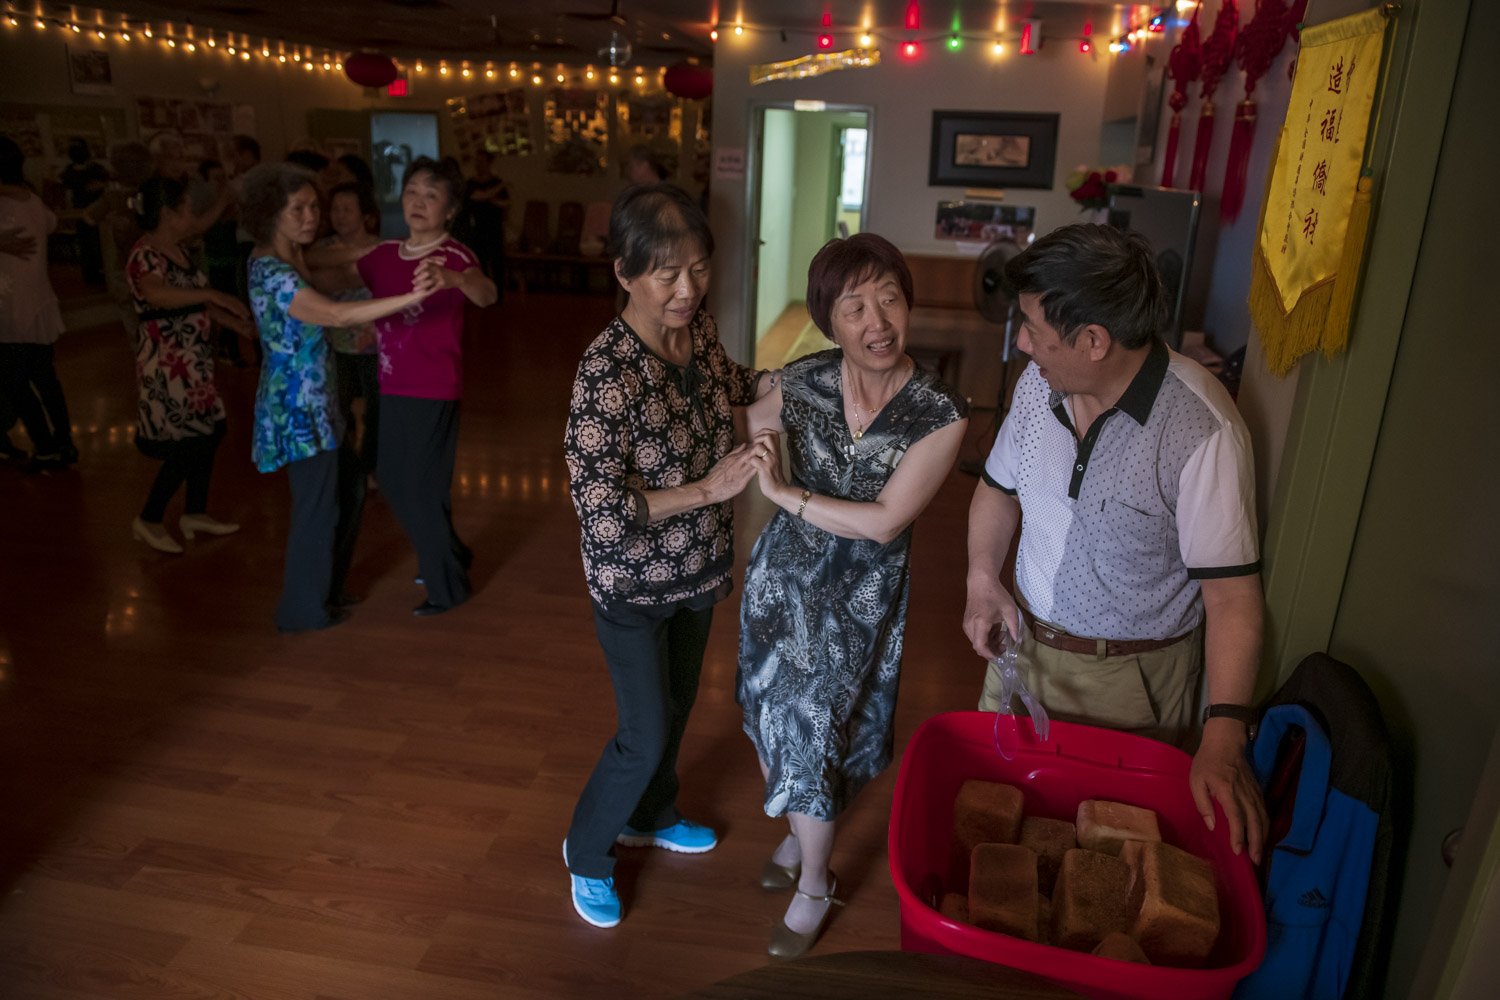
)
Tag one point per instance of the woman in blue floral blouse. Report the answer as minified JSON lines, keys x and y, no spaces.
{"x":296,"y":413}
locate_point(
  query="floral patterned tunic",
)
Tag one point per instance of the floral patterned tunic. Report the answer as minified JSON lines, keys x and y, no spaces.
{"x":174,"y":357}
{"x":295,"y":412}
{"x":638,"y":422}
{"x":823,"y":619}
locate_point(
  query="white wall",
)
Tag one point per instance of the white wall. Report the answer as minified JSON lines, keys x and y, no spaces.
{"x":902,"y":96}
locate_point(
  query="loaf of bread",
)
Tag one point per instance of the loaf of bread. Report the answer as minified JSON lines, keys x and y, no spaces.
{"x":1121,"y":946}
{"x":1174,"y":906}
{"x":1050,"y":839}
{"x":1090,"y":900}
{"x":955,"y":906}
{"x":986,"y":812}
{"x":1002,"y":890}
{"x":1103,"y":826}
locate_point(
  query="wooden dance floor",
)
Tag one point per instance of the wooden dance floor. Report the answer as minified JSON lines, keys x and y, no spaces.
{"x":195,"y":806}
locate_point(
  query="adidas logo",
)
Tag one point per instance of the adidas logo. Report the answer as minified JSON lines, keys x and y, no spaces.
{"x":1314,"y":899}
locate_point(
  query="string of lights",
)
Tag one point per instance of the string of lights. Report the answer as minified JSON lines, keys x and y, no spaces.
{"x":187,"y":38}
{"x":1025,"y":37}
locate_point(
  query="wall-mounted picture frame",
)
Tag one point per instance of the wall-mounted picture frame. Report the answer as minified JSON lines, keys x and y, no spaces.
{"x":993,"y":149}
{"x":89,"y":71}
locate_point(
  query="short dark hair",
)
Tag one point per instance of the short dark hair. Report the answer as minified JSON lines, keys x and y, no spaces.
{"x":845,"y":263}
{"x":267,"y":189}
{"x":158,"y":192}
{"x":245,"y":144}
{"x":362,"y":195}
{"x":11,"y":159}
{"x":1089,"y":273}
{"x":445,"y":171}
{"x":308,"y":159}
{"x":358,"y":169}
{"x":650,"y":221}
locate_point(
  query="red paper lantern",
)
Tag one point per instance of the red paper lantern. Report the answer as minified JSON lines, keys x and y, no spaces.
{"x":689,"y":80}
{"x":370,"y":69}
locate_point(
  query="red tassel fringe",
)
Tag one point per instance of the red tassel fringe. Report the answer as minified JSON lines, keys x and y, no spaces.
{"x":1201,"y":144}
{"x":1233,"y":197}
{"x":1169,"y":162}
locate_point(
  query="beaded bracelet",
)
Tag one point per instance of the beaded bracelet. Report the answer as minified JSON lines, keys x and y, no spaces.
{"x":806,"y":495}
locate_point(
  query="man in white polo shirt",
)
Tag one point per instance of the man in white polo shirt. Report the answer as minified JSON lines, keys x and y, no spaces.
{"x":1128,"y":471}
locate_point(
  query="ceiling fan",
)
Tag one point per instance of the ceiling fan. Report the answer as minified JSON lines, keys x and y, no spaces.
{"x":613,"y":15}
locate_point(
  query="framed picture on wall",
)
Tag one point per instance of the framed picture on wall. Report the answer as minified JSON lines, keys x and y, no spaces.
{"x":89,"y":71}
{"x":992,"y":149}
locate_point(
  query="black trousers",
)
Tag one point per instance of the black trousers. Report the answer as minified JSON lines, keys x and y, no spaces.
{"x":327,"y":507}
{"x":655,"y":655}
{"x":359,"y":378}
{"x":189,"y":460}
{"x":28,"y":380}
{"x":418,"y":445}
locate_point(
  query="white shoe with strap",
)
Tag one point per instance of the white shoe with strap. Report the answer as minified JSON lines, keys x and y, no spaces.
{"x":191,"y":524}
{"x":156,"y":536}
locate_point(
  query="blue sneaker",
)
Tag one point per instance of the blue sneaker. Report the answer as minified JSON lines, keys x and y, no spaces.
{"x":595,"y":899}
{"x":684,"y":837}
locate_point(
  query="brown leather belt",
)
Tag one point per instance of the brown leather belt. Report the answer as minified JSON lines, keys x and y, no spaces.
{"x":1049,"y":636}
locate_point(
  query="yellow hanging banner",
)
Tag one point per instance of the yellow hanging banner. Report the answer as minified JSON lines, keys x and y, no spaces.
{"x":1305,"y":222}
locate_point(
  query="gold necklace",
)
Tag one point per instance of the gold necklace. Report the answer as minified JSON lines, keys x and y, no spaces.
{"x":861,"y":424}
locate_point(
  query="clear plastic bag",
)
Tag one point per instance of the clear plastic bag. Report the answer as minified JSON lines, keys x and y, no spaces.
{"x":1007,"y":723}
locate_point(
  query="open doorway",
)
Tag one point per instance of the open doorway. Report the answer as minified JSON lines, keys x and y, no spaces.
{"x":809,"y":181}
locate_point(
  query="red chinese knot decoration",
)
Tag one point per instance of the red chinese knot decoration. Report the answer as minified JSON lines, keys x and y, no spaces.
{"x":1255,"y":50}
{"x":1218,"y":54}
{"x":1186,"y":65}
{"x":370,"y":69}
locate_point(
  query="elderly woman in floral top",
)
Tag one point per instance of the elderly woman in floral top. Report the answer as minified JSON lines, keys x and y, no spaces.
{"x":296,"y":419}
{"x":651,"y":454}
{"x":180,"y":418}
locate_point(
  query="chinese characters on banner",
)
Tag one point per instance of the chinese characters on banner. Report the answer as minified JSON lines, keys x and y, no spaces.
{"x":1312,"y":188}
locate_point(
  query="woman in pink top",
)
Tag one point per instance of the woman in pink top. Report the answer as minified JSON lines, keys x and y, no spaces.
{"x":421,"y":353}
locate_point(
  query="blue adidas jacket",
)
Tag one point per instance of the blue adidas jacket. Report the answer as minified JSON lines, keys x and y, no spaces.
{"x":1319,"y":875}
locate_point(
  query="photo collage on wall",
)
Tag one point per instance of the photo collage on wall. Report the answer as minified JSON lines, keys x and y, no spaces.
{"x":653,"y":121}
{"x":206,"y":127}
{"x":497,"y":123}
{"x":576,"y":126}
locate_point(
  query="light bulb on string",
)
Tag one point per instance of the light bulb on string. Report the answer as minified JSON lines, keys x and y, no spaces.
{"x":713,"y":33}
{"x":998,"y":48}
{"x":147,"y":32}
{"x":536,"y":79}
{"x":1087,"y":46}
{"x":825,"y":37}
{"x":443,"y":68}
{"x":75,"y":28}
{"x":866,"y":40}
{"x":911,"y":49}
{"x":466,"y":72}
{"x":514,"y":72}
{"x":955,"y":43}
{"x":739,"y":29}
{"x":489,"y":71}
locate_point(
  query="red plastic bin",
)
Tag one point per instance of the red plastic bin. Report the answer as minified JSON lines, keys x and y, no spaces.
{"x":1077,"y":763}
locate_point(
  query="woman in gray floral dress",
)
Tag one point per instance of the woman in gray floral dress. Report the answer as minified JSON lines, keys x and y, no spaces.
{"x":871,"y":438}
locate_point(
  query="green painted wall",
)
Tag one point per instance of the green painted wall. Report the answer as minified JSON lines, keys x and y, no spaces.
{"x":1420,"y":610}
